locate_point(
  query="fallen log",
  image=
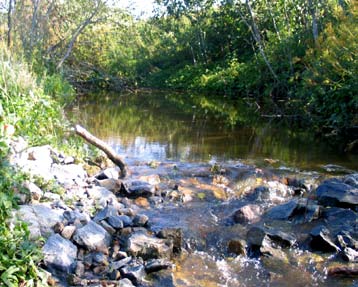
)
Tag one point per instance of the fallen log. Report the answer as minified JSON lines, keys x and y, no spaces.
{"x":112,"y":155}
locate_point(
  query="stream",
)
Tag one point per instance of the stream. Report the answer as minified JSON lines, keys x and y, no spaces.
{"x":190,"y":142}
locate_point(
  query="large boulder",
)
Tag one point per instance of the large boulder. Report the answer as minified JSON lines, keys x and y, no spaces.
{"x":93,"y":237}
{"x":60,"y":253}
{"x":68,"y":174}
{"x":334,"y":192}
{"x":41,"y":218}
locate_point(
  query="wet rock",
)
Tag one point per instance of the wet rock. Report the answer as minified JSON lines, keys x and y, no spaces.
{"x":283,"y":211}
{"x":137,"y":189}
{"x":162,"y":278}
{"x":237,"y":246}
{"x":297,"y":211}
{"x":92,"y":236}
{"x":340,"y":219}
{"x":68,"y":231}
{"x":135,"y":273}
{"x":155,"y":265}
{"x":257,"y":235}
{"x":60,"y":253}
{"x":334,"y":192}
{"x":142,"y":245}
{"x":346,"y":240}
{"x":125,"y":283}
{"x":105,"y":213}
{"x":115,"y":221}
{"x":140,"y":220}
{"x":349,"y":254}
{"x":270,"y":249}
{"x":175,"y":235}
{"x":248,"y":213}
{"x":321,"y":241}
{"x":342,"y":271}
{"x":351,"y":180}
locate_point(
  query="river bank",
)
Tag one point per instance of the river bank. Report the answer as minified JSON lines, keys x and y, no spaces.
{"x":190,"y":224}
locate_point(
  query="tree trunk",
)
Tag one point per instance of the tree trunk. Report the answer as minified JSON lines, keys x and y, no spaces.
{"x":112,"y":155}
{"x":9,"y":24}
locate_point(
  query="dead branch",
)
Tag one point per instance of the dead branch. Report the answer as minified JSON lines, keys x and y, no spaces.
{"x":112,"y":155}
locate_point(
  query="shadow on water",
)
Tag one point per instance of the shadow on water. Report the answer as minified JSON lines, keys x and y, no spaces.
{"x":184,"y":127}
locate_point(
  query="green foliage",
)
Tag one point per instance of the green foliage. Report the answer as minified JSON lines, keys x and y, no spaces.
{"x":18,"y":254}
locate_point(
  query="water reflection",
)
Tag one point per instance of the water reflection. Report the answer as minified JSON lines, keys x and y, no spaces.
{"x":162,"y":126}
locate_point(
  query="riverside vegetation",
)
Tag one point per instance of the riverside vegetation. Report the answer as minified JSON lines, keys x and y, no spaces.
{"x":288,"y":59}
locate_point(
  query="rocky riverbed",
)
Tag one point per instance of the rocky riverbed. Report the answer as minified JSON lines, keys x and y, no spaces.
{"x":267,"y":226}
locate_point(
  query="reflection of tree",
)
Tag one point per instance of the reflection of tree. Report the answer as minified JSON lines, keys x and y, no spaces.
{"x":164,"y":125}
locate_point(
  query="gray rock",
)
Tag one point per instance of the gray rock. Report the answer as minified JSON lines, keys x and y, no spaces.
{"x":142,"y":245}
{"x":135,"y":273}
{"x":334,"y":192}
{"x":116,"y":265}
{"x":115,"y":222}
{"x":68,"y":174}
{"x":41,"y":219}
{"x":101,"y":196}
{"x":140,"y":220}
{"x":297,"y":211}
{"x":80,"y":269}
{"x":98,"y":258}
{"x":60,"y":253}
{"x":107,"y":227}
{"x":321,"y":241}
{"x":105,"y":213}
{"x":127,"y":221}
{"x":248,"y":213}
{"x":283,"y":211}
{"x":137,"y":189}
{"x":109,"y":173}
{"x":68,"y":231}
{"x":155,"y":265}
{"x":35,"y":191}
{"x":93,"y":237}
{"x":257,"y":235}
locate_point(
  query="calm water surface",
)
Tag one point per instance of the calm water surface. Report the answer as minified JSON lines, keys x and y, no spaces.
{"x":162,"y":126}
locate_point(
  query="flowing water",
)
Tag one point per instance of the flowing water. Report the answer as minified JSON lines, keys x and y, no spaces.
{"x":182,"y":136}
